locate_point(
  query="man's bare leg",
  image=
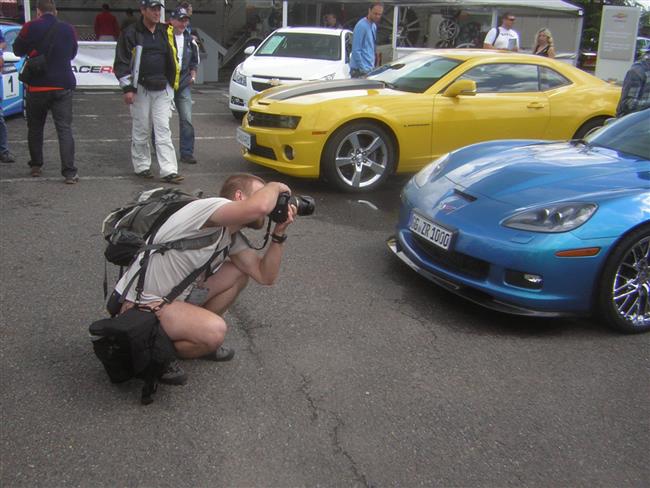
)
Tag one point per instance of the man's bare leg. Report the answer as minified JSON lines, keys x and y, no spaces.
{"x":225,"y":286}
{"x":197,"y":331}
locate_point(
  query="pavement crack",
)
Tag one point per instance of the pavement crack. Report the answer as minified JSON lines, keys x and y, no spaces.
{"x":305,"y":389}
{"x":339,"y":449}
{"x":316,"y":412}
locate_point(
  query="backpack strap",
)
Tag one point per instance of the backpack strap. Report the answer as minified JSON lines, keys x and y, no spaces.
{"x":47,"y":39}
{"x":496,"y":36}
{"x":189,"y":279}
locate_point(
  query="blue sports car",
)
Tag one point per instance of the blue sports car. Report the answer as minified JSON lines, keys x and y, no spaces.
{"x":538,"y":228}
{"x":11,"y":89}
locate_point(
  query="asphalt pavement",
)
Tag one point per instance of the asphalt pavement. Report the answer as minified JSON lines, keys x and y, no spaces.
{"x":350,"y":371}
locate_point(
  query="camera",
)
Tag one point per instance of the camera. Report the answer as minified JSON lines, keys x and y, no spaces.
{"x":303,"y":203}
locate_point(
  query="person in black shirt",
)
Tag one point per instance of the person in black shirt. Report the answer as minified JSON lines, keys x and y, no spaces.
{"x":148,"y":71}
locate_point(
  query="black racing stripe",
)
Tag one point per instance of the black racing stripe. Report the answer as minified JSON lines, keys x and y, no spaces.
{"x":326,"y":86}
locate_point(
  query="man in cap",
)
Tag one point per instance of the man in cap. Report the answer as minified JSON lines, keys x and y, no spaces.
{"x":188,"y":59}
{"x":148,"y":71}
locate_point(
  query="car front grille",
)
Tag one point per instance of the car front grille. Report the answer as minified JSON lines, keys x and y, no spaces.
{"x":263,"y":151}
{"x":454,"y":261}
{"x":259,"y":86}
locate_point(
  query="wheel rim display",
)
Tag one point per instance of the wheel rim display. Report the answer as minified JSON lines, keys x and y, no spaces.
{"x":361,"y":158}
{"x":631,"y":287}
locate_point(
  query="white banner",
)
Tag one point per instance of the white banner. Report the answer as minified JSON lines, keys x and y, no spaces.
{"x":93,"y":65}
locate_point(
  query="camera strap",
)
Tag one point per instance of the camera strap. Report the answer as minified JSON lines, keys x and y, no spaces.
{"x":266,"y":238}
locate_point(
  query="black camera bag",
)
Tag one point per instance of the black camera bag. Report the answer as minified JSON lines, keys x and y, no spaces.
{"x":36,"y":66}
{"x":133,"y":345}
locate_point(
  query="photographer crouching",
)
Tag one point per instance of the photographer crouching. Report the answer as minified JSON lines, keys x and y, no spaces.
{"x":194,"y":320}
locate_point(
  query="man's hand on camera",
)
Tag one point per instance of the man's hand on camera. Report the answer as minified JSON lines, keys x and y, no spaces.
{"x":280,"y":229}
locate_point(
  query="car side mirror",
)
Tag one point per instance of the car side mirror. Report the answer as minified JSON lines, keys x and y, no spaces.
{"x":460,"y":87}
{"x":249,"y":50}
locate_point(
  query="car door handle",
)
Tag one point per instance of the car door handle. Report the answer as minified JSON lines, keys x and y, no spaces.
{"x":536,"y":105}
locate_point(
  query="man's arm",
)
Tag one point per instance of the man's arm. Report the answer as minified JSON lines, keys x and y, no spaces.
{"x":22,"y":43}
{"x":630,"y":92}
{"x":490,"y":35}
{"x":264,"y":270}
{"x":123,"y":61}
{"x":242,"y":212}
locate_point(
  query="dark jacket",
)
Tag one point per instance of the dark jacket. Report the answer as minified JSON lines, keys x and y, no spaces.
{"x":190,"y":60}
{"x":635,"y":95}
{"x":63,"y":50}
{"x":133,"y":37}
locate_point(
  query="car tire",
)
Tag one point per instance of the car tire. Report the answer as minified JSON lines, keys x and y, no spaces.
{"x":588,"y":127}
{"x":624,"y":286}
{"x":238,"y":115}
{"x":359,"y":157}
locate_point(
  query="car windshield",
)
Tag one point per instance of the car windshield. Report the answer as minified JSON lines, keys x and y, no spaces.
{"x":630,"y":135}
{"x":302,"y":45}
{"x":414,"y":73}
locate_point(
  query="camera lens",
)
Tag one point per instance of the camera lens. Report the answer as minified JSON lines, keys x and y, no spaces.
{"x":305,"y":204}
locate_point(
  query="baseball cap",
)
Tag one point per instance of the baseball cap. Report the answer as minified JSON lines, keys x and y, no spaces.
{"x":179,"y":13}
{"x":152,"y":3}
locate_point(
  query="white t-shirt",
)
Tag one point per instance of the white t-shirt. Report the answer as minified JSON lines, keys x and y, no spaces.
{"x":507,"y":38}
{"x":180,"y":44}
{"x":167,"y":270}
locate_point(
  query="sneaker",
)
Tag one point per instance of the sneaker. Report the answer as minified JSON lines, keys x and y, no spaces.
{"x":173,"y":375}
{"x":145,"y":174}
{"x":172,"y":178}
{"x":7,"y":157}
{"x":71,"y":180}
{"x":222,"y":354}
{"x":188,"y":159}
{"x":36,"y":171}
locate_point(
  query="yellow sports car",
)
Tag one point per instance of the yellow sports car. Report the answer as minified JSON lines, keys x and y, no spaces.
{"x":356,"y":133}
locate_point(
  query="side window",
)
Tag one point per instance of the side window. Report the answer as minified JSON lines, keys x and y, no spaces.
{"x":549,"y":79}
{"x":9,"y":40}
{"x":504,"y":78}
{"x":348,"y":46}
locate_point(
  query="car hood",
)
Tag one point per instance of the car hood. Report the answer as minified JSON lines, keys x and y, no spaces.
{"x":547,"y":172}
{"x":289,"y":68}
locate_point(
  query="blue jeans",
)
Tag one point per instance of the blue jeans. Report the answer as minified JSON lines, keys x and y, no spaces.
{"x":3,"y":133}
{"x":183,"y":101}
{"x":59,"y":102}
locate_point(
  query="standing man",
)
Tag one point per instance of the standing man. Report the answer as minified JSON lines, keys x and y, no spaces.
{"x":329,"y":20}
{"x":53,"y":89}
{"x":362,"y":60}
{"x":106,"y":26}
{"x":5,"y":155}
{"x":504,"y":37}
{"x":148,"y":71}
{"x":188,"y":60}
{"x":635,"y":95}
{"x":129,"y":19}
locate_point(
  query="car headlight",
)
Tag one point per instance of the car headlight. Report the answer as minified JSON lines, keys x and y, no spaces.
{"x":429,"y":171}
{"x":287,"y":121}
{"x":561,"y":217}
{"x":238,"y":77}
{"x":327,"y":77}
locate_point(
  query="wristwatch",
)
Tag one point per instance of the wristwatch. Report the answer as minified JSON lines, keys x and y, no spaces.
{"x":278,"y":239}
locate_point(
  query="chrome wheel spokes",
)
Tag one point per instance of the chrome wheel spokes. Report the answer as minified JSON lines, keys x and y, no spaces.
{"x":631,"y":287}
{"x":361,"y":158}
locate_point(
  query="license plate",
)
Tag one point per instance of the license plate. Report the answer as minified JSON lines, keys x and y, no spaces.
{"x":433,"y":233}
{"x":243,"y":138}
